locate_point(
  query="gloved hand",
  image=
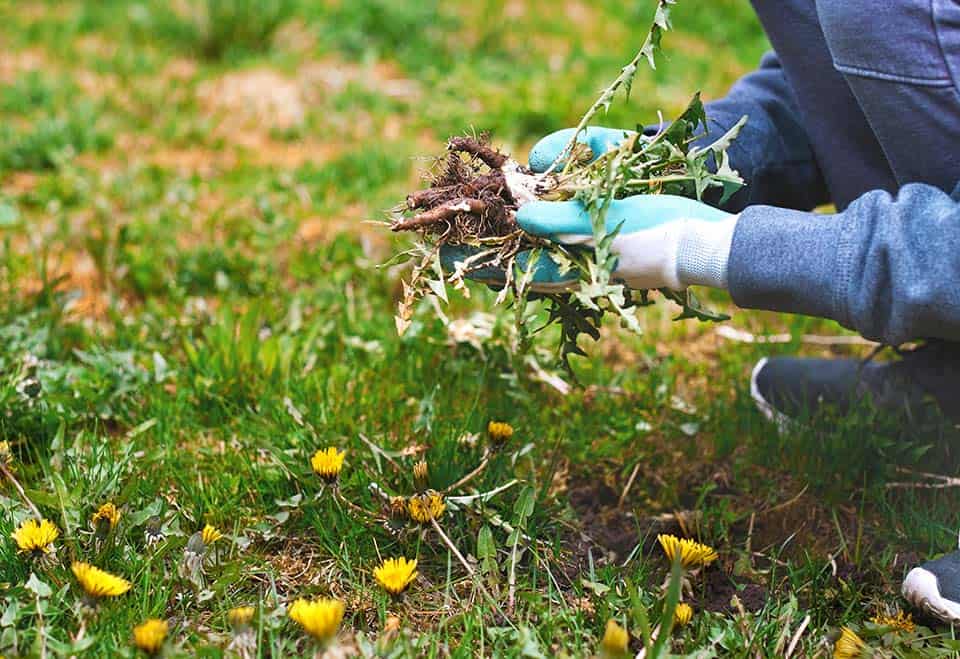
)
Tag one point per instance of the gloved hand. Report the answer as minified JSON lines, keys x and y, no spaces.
{"x":599,"y":139}
{"x":664,"y":241}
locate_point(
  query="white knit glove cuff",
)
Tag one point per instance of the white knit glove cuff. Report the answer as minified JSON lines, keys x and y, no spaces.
{"x":703,"y":252}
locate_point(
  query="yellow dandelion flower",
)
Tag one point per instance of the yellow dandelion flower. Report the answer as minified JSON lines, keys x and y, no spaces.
{"x":902,"y":622}
{"x":241,"y":616}
{"x":97,"y":583}
{"x":210,"y":534}
{"x":320,"y":618}
{"x":396,"y":574}
{"x":615,"y":640}
{"x":6,"y":454}
{"x":849,"y":645}
{"x":692,"y":553}
{"x":499,"y":432}
{"x":150,"y":635}
{"x":327,"y":463}
{"x":35,"y":537}
{"x":427,"y":506}
{"x":682,"y":614}
{"x":107,"y":515}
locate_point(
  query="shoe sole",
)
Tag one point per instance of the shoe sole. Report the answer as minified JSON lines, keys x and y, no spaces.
{"x":921,"y":589}
{"x":772,"y":414}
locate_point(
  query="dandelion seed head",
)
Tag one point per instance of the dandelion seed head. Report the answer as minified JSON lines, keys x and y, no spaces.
{"x":153,"y":531}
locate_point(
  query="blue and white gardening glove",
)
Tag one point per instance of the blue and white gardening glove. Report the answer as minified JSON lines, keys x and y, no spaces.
{"x":664,"y":241}
{"x":599,"y":139}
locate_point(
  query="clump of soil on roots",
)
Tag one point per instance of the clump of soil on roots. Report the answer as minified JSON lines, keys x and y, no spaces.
{"x":474,"y":194}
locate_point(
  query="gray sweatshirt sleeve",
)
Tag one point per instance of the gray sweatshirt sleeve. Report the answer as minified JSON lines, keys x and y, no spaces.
{"x":887,"y":267}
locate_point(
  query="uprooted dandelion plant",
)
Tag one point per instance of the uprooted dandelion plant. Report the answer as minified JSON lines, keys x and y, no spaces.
{"x":475,"y":191}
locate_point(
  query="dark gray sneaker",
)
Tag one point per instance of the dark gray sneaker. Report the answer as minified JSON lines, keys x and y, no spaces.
{"x":921,"y":391}
{"x":921,"y":388}
{"x":934,"y":587}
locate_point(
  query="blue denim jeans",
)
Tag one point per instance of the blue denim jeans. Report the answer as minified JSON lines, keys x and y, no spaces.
{"x":858,"y":106}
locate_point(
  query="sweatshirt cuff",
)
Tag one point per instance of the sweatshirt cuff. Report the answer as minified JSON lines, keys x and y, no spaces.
{"x":703,"y":252}
{"x":791,"y":261}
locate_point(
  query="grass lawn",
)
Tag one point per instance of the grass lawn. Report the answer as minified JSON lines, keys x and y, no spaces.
{"x":191,"y":307}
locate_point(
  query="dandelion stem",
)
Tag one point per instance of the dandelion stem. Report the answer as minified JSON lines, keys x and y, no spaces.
{"x":625,"y":78}
{"x":452,"y":547}
{"x":354,"y":508}
{"x":483,"y":591}
{"x":23,"y":495}
{"x":484,"y":461}
{"x":41,"y":630}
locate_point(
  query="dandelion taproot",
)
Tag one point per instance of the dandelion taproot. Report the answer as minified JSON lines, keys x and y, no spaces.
{"x":692,"y":553}
{"x":150,"y":635}
{"x":683,"y":614}
{"x":327,"y":463}
{"x":425,"y":507}
{"x":320,"y":618}
{"x":500,"y":433}
{"x":98,"y":583}
{"x":36,"y":537}
{"x":615,"y":640}
{"x":849,"y":645}
{"x":396,"y":574}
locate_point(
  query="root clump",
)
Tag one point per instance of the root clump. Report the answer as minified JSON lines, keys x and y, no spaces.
{"x":474,"y":194}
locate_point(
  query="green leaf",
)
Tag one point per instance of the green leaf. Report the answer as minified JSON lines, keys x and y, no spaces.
{"x":37,"y":587}
{"x":523,"y":508}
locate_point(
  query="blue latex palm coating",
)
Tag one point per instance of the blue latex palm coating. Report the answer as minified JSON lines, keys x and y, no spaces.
{"x":599,"y":139}
{"x":550,"y":219}
{"x":547,"y":271}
